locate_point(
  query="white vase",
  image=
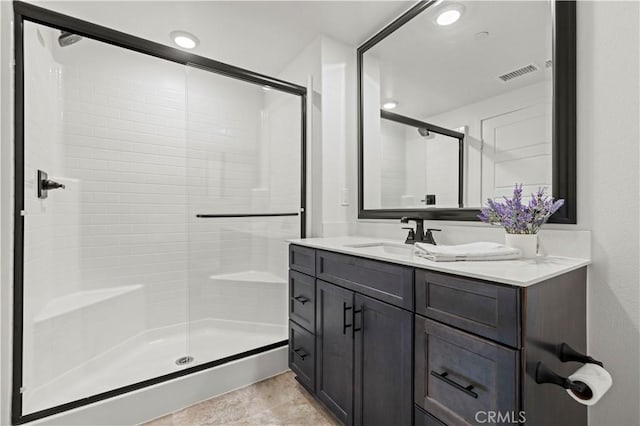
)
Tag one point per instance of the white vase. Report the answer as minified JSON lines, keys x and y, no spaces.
{"x":527,"y":243}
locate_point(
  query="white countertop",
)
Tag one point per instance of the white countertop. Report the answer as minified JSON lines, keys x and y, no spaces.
{"x":520,"y":272}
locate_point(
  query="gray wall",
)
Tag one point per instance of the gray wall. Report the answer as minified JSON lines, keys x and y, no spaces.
{"x":608,"y":195}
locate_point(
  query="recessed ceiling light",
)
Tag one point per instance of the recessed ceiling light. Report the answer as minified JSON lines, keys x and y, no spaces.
{"x":448,"y":17}
{"x":389,"y":104}
{"x":449,"y":14}
{"x":266,"y":88}
{"x":184,"y":39}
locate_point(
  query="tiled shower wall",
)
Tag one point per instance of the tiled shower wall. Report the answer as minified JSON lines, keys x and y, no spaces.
{"x":124,"y":141}
{"x":244,"y":157}
{"x":148,"y":165}
{"x":144,"y":145}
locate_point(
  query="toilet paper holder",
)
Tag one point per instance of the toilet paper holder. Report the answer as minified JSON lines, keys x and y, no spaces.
{"x":565,"y":353}
{"x":545,"y":375}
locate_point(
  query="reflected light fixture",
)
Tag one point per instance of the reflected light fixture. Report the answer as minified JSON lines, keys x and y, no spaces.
{"x":389,"y":104}
{"x":449,"y":14}
{"x":184,"y":39}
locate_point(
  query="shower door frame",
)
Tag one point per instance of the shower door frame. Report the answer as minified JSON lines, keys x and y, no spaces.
{"x":30,"y":13}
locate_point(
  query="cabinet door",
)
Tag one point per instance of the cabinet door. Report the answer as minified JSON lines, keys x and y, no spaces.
{"x":383,"y":370}
{"x":334,"y":349}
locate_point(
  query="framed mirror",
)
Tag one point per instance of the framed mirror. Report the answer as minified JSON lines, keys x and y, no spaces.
{"x":460,"y":100}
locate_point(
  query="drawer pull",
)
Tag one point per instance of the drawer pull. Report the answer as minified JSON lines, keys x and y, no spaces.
{"x":447,"y":380}
{"x":345,"y":308}
{"x":302,"y":354}
{"x":301,"y":299}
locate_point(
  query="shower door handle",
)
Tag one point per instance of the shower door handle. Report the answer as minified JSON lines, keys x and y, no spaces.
{"x":45,"y":185}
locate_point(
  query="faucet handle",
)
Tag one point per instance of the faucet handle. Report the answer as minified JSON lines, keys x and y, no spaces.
{"x":411,"y":230}
{"x":411,"y":238}
{"x":428,"y":236}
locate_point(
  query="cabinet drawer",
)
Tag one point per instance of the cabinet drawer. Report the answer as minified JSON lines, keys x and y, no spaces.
{"x":489,"y":310}
{"x":422,"y":418}
{"x":458,"y":375}
{"x":302,"y":296}
{"x":384,"y":281}
{"x":302,"y":355}
{"x":302,"y":259}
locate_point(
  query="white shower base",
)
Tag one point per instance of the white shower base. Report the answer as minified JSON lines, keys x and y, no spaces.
{"x":155,"y":401}
{"x":151,"y":354}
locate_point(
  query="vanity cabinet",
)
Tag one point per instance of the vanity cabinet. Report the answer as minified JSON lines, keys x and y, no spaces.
{"x":477,"y":344}
{"x":381,"y":343}
{"x":363,"y":345}
{"x":363,"y":367}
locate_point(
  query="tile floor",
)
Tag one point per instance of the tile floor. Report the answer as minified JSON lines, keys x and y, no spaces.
{"x":279,"y":400}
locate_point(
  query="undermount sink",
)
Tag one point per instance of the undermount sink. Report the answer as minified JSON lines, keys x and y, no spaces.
{"x":383,"y":247}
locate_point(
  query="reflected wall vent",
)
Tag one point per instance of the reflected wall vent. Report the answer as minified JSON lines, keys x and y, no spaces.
{"x":518,"y":73}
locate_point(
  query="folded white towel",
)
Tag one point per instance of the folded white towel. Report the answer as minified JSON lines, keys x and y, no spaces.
{"x":472,"y":251}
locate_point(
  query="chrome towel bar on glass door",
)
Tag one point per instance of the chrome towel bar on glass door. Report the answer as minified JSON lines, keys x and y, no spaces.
{"x":246,"y":215}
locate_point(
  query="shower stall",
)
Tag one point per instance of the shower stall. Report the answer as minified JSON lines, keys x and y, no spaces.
{"x":155,"y":192}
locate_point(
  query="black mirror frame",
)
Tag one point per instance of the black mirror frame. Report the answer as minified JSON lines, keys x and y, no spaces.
{"x":564,"y":120}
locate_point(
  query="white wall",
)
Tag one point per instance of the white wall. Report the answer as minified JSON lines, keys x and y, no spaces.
{"x":305,"y":69}
{"x":608,"y":195}
{"x":338,"y":132}
{"x":331,"y":66}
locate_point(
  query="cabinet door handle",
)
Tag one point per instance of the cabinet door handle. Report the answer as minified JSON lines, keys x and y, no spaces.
{"x":447,"y":380}
{"x":301,"y":299}
{"x":353,"y":320}
{"x":302,"y":354}
{"x":345,"y":308}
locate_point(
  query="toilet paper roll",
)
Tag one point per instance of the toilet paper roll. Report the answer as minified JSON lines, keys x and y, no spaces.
{"x":597,"y":379}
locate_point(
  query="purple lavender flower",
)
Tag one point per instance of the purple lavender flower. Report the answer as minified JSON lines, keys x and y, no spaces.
{"x":518,"y":218}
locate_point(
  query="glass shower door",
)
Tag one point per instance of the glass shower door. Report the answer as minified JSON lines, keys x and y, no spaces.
{"x":105,"y":233}
{"x":244,"y":148}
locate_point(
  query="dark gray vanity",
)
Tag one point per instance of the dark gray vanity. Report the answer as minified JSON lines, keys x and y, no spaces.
{"x":383,"y":343}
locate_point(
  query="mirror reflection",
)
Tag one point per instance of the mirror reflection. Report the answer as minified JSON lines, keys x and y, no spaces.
{"x":480,"y":75}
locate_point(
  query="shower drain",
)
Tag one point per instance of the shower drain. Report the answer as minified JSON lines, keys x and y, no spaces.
{"x":183,"y":360}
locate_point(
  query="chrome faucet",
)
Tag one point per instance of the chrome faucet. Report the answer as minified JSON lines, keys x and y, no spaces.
{"x":418,"y":235}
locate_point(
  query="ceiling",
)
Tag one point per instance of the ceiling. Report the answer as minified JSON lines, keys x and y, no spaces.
{"x":263,"y":36}
{"x":430,"y":69}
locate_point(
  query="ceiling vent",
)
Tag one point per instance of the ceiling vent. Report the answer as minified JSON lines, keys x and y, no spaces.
{"x":518,"y":73}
